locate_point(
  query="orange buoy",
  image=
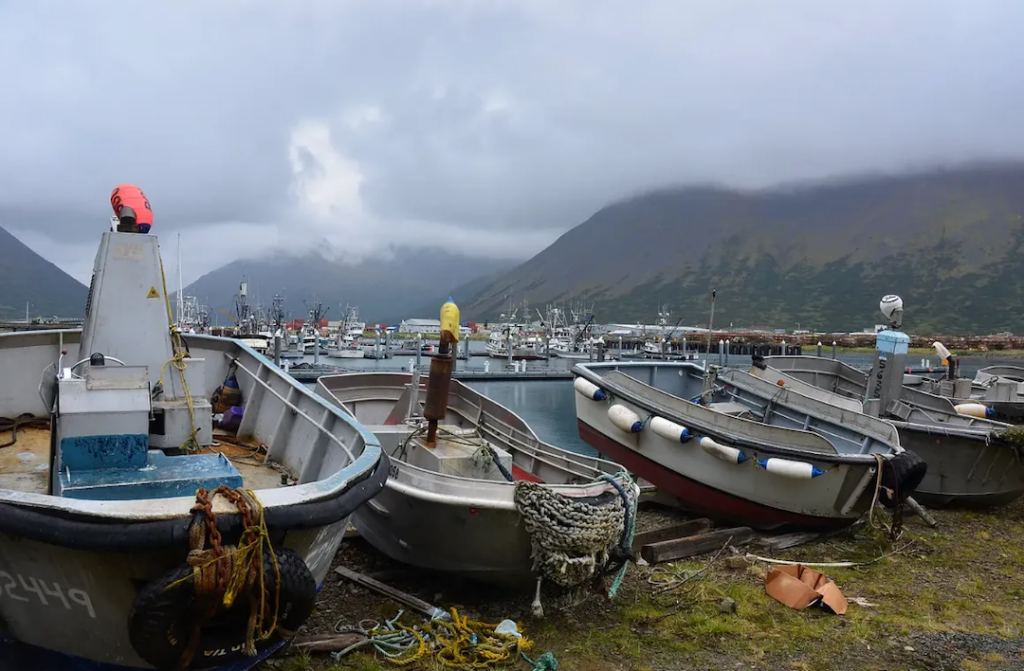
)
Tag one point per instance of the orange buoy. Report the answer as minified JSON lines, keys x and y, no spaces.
{"x":130,"y":196}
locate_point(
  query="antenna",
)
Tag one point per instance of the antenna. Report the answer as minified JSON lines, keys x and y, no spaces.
{"x":181,"y":299}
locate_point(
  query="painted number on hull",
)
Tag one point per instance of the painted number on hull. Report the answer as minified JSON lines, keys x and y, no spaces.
{"x":16,"y":587}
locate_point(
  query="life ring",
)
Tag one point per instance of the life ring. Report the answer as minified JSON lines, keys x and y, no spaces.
{"x":160,"y":622}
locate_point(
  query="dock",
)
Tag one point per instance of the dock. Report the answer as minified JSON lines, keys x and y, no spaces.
{"x":307,"y":375}
{"x":519,"y":375}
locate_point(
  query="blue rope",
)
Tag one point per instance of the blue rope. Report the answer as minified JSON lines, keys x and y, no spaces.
{"x":628,"y":528}
{"x":497,"y":462}
{"x":545,"y":662}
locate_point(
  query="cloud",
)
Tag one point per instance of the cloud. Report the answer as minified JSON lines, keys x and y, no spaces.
{"x":490,"y":128}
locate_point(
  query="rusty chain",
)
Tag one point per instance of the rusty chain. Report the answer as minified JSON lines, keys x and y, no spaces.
{"x":212,"y":585}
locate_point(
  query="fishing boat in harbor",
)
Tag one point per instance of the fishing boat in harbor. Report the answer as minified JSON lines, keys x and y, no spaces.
{"x":734,"y":455}
{"x":970,"y":459}
{"x":996,"y":392}
{"x":473,"y":490}
{"x":508,"y":340}
{"x":144,"y":471}
{"x":345,"y":345}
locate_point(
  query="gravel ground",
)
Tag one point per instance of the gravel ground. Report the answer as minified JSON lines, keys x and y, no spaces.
{"x":574,"y":631}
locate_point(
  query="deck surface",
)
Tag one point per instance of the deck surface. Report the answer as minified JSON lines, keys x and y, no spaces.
{"x":25,"y":466}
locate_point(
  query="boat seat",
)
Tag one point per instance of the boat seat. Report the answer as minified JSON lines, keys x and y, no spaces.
{"x":163,"y":477}
{"x":730,"y":408}
{"x":521,"y":474}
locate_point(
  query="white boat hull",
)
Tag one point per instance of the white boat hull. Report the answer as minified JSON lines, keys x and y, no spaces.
{"x":744,"y":491}
{"x":346,"y":354}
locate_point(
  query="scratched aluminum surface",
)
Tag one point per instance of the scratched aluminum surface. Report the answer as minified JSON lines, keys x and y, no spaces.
{"x":457,"y":524}
{"x":663,"y":389}
{"x":76,"y":603}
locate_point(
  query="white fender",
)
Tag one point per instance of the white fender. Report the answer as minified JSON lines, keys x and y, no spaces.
{"x":798,"y":470}
{"x":589,"y":389}
{"x":974,"y":410}
{"x":670,"y":430}
{"x":625,"y":419}
{"x":723,"y":452}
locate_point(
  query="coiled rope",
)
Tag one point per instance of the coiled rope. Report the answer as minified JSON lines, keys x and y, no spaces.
{"x":24,"y":419}
{"x":456,"y":643}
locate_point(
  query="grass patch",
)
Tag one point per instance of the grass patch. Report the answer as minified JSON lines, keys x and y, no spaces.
{"x":962,"y":577}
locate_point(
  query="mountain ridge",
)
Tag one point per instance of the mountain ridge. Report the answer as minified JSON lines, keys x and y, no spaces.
{"x":26,"y":277}
{"x":819,"y":254}
{"x":412,"y":283}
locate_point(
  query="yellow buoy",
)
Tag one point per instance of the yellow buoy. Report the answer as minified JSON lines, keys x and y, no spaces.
{"x":450,"y":319}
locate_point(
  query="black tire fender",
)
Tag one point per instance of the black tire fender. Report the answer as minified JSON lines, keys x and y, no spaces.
{"x":162,"y":615}
{"x":902,"y":474}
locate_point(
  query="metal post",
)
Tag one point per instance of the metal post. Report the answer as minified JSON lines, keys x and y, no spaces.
{"x":684,"y":348}
{"x":819,"y":348}
{"x":414,"y":397}
{"x":833,"y":349}
{"x":277,"y":349}
{"x":387,"y":344}
{"x":620,"y":348}
{"x":508,"y":344}
{"x":316,"y":346}
{"x":419,"y":348}
{"x":711,"y":326}
{"x":721,"y":352}
{"x":547,"y":345}
{"x":727,"y":345}
{"x":376,"y":343}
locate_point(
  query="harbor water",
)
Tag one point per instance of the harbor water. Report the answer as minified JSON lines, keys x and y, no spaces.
{"x":548,"y":406}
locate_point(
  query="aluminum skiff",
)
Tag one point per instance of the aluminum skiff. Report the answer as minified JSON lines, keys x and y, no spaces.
{"x":731,"y":454}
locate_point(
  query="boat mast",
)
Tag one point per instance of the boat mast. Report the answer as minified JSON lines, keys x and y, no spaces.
{"x":711,"y":325}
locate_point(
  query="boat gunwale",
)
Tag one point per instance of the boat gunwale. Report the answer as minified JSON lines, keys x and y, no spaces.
{"x":585,"y":371}
{"x":140,"y":511}
{"x":503,"y":491}
{"x":979,"y":428}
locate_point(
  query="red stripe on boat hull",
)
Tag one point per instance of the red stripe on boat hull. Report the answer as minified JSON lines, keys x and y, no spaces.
{"x":519,"y":473}
{"x":700,"y":497}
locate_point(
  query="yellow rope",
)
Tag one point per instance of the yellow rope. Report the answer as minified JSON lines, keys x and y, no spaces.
{"x":458,"y":650}
{"x":246,"y":561}
{"x":191,"y":444}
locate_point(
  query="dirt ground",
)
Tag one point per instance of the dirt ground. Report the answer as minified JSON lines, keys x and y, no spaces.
{"x":943,"y":599}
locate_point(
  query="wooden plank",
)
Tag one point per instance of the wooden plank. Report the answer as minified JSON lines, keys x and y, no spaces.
{"x":691,"y":546}
{"x":419,"y":605}
{"x":325,"y":642}
{"x":783,"y":541}
{"x":688,"y":528}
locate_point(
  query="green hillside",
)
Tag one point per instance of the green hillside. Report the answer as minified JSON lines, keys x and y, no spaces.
{"x":950,"y":242}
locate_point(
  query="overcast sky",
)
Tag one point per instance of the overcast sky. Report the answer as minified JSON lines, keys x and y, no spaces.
{"x":493,"y":125}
